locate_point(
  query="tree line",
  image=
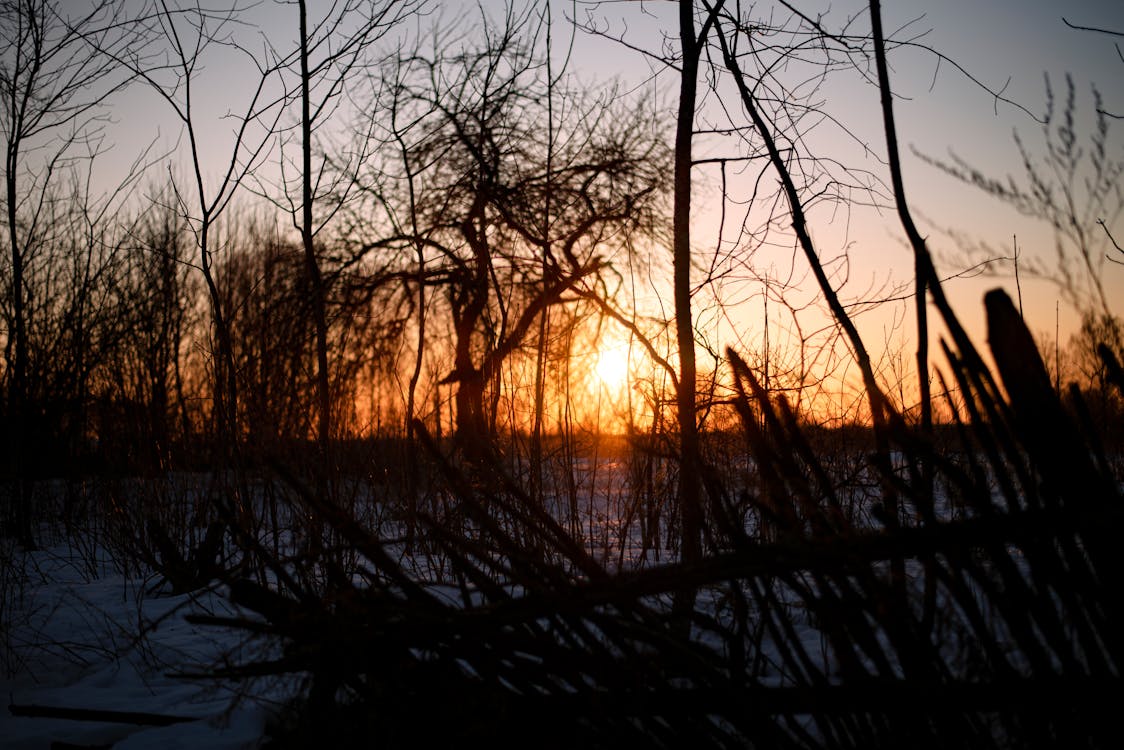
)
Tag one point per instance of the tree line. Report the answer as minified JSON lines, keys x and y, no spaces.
{"x":413,"y":225}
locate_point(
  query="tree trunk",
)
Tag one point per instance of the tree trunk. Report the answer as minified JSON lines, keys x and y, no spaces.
{"x":312,"y":266}
{"x":19,"y":513}
{"x":690,"y":508}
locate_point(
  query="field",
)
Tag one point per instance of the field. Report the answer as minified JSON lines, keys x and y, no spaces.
{"x":890,"y":592}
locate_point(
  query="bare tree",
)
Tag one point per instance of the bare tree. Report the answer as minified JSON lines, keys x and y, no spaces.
{"x":1090,"y":354}
{"x":57,"y":74}
{"x":476,"y":138}
{"x":188,"y":34}
{"x":144,"y":389}
{"x":692,"y":43}
{"x":333,"y":50}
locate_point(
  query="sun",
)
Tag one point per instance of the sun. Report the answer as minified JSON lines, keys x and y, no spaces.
{"x":612,"y":366}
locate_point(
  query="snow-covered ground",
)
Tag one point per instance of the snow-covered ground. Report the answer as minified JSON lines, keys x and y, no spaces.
{"x":76,"y":632}
{"x":81,"y":635}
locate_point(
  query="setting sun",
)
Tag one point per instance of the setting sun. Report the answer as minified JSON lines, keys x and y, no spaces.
{"x":612,"y":366}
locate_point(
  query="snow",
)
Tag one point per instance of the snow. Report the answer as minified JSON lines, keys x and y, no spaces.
{"x":79,"y":631}
{"x":79,"y":634}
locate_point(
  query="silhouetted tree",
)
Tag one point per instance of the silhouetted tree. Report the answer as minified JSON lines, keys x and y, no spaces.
{"x":187,"y":35}
{"x":57,"y":75}
{"x":477,"y":141}
{"x":144,"y":385}
{"x":331,"y":49}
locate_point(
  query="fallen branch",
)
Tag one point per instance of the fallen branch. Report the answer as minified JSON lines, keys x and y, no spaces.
{"x":96,"y":714}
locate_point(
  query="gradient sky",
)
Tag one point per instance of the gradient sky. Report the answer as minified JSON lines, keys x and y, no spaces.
{"x":1010,"y":46}
{"x":1006,"y":44}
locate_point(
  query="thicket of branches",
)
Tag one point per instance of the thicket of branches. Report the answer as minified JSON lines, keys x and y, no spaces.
{"x":357,"y":364}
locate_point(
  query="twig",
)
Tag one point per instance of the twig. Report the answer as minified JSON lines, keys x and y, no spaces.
{"x":33,"y":711}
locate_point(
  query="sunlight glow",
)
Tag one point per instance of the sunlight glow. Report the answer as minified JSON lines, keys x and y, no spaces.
{"x":612,"y":367}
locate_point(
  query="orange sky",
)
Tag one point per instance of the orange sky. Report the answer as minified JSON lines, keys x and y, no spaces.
{"x":1007,"y":44}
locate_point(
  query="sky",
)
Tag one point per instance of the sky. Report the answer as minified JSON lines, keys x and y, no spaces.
{"x":1011,"y":46}
{"x":1006,"y":45}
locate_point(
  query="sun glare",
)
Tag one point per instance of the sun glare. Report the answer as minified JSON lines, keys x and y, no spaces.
{"x":612,"y":366}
